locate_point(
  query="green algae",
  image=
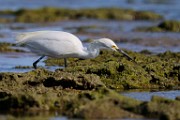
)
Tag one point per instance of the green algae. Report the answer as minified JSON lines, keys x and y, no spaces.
{"x":76,"y":95}
{"x":23,"y":67}
{"x":150,"y":72}
{"x":49,"y":14}
{"x":67,"y":93}
{"x":5,"y":20}
{"x":7,"y":47}
{"x":4,"y":14}
{"x":173,"y":26}
{"x":149,"y":29}
{"x":164,"y":109}
{"x":146,"y":52}
{"x":168,"y":25}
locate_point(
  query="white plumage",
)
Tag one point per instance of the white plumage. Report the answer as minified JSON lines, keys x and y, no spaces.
{"x":51,"y":43}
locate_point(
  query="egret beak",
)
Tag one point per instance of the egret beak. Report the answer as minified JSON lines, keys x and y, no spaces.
{"x":125,"y":54}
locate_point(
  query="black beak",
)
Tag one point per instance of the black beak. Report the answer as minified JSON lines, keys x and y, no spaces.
{"x":125,"y":54}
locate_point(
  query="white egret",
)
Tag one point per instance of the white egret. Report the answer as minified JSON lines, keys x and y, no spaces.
{"x":61,"y":44}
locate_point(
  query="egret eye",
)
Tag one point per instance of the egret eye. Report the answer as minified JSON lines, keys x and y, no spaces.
{"x":114,"y":47}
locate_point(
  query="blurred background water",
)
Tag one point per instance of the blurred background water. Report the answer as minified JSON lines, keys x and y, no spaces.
{"x":169,"y":8}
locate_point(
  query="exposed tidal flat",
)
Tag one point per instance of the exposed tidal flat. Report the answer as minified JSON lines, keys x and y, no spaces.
{"x":89,"y":88}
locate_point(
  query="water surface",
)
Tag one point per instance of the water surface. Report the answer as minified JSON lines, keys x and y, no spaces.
{"x":146,"y":96}
{"x":169,"y":8}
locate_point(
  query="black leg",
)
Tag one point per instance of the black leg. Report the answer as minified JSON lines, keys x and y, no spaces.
{"x":35,"y":63}
{"x":65,"y":62}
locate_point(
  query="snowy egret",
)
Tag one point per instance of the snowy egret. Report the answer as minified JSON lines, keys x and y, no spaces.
{"x":65,"y":45}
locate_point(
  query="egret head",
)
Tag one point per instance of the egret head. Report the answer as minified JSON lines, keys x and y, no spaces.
{"x":109,"y":44}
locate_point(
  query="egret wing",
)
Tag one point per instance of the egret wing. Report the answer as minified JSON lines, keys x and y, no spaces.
{"x":51,"y":43}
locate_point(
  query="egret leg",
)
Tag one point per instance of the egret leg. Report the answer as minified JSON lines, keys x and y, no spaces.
{"x":65,"y":62}
{"x":35,"y":63}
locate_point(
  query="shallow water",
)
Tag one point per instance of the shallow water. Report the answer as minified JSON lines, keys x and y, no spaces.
{"x":146,"y":96}
{"x":169,"y":8}
{"x":118,"y":30}
{"x":38,"y":117}
{"x":9,"y":62}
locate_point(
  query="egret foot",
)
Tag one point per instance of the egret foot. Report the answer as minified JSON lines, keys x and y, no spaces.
{"x":65,"y":62}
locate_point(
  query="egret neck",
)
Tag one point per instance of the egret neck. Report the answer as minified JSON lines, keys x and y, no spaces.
{"x":91,"y":51}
